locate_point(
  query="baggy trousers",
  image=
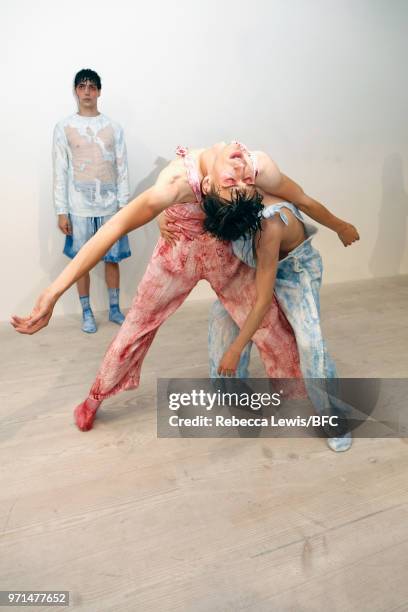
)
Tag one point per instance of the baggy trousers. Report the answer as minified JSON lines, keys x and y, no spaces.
{"x":172,"y":273}
{"x":297,"y":287}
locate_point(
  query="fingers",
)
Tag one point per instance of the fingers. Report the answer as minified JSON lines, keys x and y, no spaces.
{"x":30,"y":331}
{"x":169,"y":238}
{"x":14,"y":323}
{"x":170,"y":231}
{"x":172,"y":236}
{"x":31,"y":324}
{"x":22,"y":328}
{"x":347,"y":241}
{"x":226,"y":372}
{"x":19,"y":320}
{"x":28,"y":328}
{"x":37,"y":317}
{"x":351,"y":241}
{"x":66,"y":229}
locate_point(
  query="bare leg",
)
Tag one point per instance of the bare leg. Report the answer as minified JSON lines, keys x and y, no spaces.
{"x":83,"y":285}
{"x":112,"y":275}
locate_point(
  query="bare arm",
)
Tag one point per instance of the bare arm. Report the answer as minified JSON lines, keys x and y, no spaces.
{"x":272,"y":181}
{"x":137,"y":213}
{"x":267,"y":263}
{"x":140,"y":211}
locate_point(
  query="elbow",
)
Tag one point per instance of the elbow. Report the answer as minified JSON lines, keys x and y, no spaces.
{"x":152,"y":210}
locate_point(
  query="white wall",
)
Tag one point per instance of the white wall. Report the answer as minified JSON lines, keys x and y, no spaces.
{"x":319,"y":84}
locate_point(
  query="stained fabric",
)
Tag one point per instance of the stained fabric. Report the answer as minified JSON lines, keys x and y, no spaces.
{"x":90,"y":166}
{"x":83,"y":228}
{"x":297,"y":289}
{"x":170,"y":276}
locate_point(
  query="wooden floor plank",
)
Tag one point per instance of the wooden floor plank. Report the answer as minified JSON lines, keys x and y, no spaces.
{"x":129,"y":522}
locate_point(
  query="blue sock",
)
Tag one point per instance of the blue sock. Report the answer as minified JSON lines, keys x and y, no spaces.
{"x":84,"y":299}
{"x":88,"y":319}
{"x":115,"y":314}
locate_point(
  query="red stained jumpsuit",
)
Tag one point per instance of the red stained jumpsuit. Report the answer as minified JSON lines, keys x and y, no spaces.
{"x":172,"y":273}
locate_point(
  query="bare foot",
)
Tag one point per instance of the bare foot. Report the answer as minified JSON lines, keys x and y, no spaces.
{"x":85,"y":414}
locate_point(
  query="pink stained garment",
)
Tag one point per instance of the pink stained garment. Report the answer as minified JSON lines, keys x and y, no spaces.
{"x":172,"y":273}
{"x":187,"y":218}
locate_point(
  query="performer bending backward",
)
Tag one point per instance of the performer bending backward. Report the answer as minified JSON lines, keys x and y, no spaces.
{"x":288,"y":265}
{"x":224,"y":177}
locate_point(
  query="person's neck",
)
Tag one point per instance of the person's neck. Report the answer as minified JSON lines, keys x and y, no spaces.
{"x":208,"y":156}
{"x":88,"y":112}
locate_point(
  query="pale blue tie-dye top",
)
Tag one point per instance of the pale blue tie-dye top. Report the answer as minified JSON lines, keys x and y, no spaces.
{"x":90,"y":166}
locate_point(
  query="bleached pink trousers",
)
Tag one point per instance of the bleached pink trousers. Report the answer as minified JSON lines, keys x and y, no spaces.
{"x":170,"y":276}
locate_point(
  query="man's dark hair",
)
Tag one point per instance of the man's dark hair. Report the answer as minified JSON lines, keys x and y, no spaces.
{"x":86,"y":74}
{"x":229,"y":220}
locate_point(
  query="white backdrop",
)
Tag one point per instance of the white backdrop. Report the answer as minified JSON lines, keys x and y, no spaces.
{"x":319,"y":84}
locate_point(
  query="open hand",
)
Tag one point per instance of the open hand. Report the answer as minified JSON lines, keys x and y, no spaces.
{"x":167,"y":230}
{"x":39,"y":317}
{"x":229,"y":363}
{"x":348,"y":234}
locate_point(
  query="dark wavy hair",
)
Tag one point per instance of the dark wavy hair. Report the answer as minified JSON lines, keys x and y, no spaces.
{"x":229,"y":220}
{"x":86,"y":74}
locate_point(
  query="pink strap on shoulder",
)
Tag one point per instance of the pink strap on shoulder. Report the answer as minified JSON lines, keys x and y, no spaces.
{"x":251,"y":155}
{"x":192,"y":171}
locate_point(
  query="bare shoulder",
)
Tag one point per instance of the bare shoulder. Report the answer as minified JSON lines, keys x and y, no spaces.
{"x":174,"y":179}
{"x":265,"y":161}
{"x":196,"y":153}
{"x":270,"y":236}
{"x":171,"y":173}
{"x":269,"y":175}
{"x":272,"y":227}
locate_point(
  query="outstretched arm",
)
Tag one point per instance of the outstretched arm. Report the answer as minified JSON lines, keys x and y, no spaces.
{"x":267,"y":262}
{"x":272,"y":181}
{"x":137,"y":213}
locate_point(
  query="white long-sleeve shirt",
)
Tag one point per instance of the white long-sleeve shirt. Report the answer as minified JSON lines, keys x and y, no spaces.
{"x":90,"y":166}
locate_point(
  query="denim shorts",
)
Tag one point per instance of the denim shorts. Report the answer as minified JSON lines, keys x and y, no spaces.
{"x":83,"y":228}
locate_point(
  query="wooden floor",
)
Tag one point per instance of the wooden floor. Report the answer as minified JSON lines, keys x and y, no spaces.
{"x":129,"y":522}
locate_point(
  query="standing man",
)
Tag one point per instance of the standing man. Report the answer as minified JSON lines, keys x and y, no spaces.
{"x":90,"y":186}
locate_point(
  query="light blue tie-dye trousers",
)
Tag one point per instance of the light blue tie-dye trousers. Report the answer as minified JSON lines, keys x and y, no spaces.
{"x":297,"y":287}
